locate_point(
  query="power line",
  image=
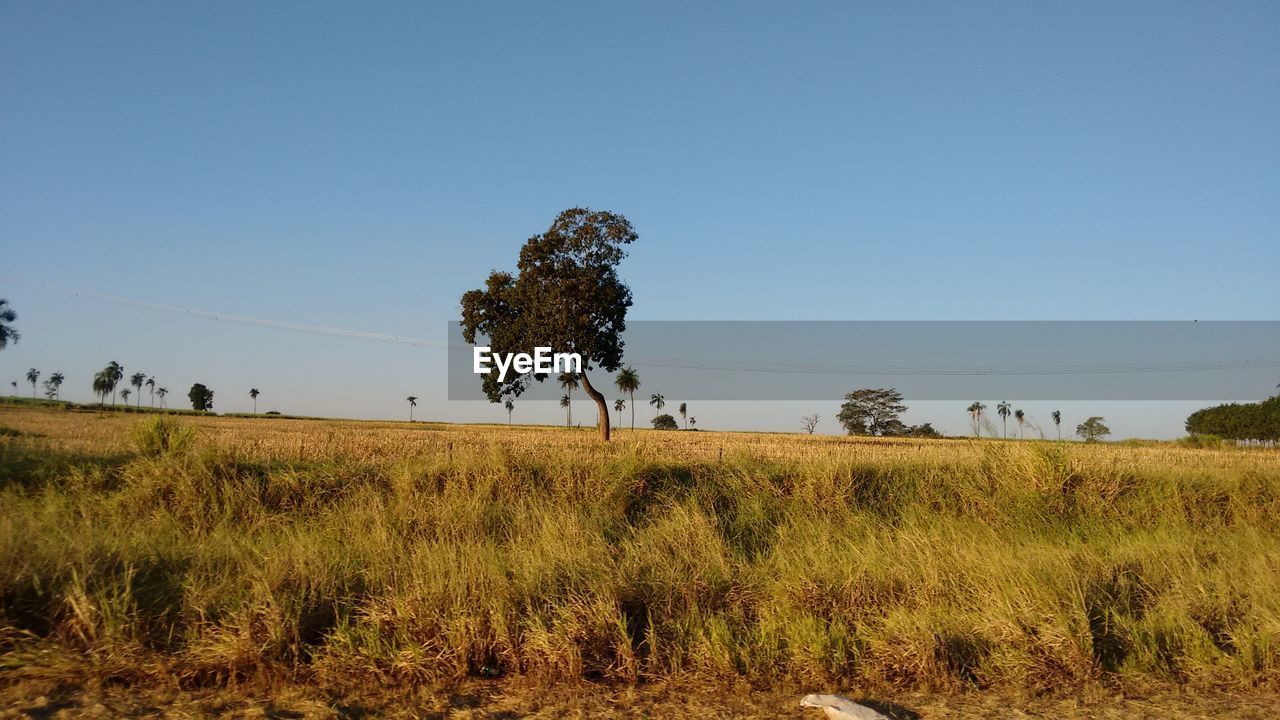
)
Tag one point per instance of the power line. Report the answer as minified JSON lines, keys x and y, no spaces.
{"x":239,"y":319}
{"x":692,"y":364}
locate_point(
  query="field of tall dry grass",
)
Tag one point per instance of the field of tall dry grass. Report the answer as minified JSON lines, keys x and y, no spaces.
{"x":211,"y":552}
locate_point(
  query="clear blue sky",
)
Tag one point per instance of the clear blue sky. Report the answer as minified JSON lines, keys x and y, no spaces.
{"x":361,"y":166}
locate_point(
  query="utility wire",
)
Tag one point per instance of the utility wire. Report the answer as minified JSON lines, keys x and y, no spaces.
{"x":691,"y":364}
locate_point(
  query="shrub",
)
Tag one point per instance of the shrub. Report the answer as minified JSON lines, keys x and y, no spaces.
{"x":162,"y":436}
{"x":665,"y":422}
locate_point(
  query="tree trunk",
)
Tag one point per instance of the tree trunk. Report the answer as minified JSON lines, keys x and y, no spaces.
{"x":601,"y":405}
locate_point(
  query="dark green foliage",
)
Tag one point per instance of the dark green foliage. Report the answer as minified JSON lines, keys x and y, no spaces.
{"x":922,"y":431}
{"x":1238,"y":421}
{"x":201,"y":397}
{"x":7,"y":333}
{"x":566,"y":295}
{"x":872,"y":412}
{"x":665,"y":422}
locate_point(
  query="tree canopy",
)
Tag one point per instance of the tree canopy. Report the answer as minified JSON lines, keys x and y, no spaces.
{"x":1238,"y":421}
{"x":201,"y":397}
{"x":665,"y":422}
{"x":872,"y":412}
{"x":1093,"y":429}
{"x":565,"y":294}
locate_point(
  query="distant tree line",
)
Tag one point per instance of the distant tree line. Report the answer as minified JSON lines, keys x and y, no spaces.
{"x":1238,"y":421}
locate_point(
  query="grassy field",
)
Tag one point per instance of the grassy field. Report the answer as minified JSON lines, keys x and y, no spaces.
{"x":231,"y":552}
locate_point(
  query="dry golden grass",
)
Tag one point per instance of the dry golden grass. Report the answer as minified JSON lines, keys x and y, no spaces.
{"x":338,"y":555}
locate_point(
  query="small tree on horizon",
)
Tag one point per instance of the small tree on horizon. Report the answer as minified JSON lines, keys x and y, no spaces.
{"x":684,"y":414}
{"x":201,"y":397}
{"x":619,"y":405}
{"x":809,"y":423}
{"x":1021,"y":417}
{"x":253,"y":393}
{"x":413,"y":403}
{"x":124,"y":395}
{"x":872,"y":412}
{"x":162,"y":392}
{"x":1057,"y":421}
{"x":510,"y":405}
{"x":33,"y":375}
{"x":151,"y":385}
{"x":1093,"y":429}
{"x":665,"y":422}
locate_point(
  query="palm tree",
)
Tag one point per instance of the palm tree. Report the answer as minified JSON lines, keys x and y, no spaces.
{"x":136,"y":381}
{"x":1057,"y":420}
{"x":104,"y":381}
{"x":684,"y":413}
{"x":114,"y":372}
{"x":693,"y":421}
{"x":975,"y":414}
{"x":125,"y":394}
{"x":619,"y":405}
{"x":1005,"y":409}
{"x":7,"y":333}
{"x":628,"y":381}
{"x":151,"y":385}
{"x":1021,"y":418}
{"x":565,"y":403}
{"x":162,"y":392}
{"x":569,"y":383}
{"x":32,"y":376}
{"x":659,"y":402}
{"x":413,"y":403}
{"x":55,"y":382}
{"x":509,"y":405}
{"x":253,"y":393}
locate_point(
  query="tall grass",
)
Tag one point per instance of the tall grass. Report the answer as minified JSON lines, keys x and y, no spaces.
{"x":929,"y":565}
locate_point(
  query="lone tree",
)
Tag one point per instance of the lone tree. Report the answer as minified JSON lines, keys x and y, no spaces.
{"x":253,"y":393}
{"x":1092,"y":429}
{"x":510,"y":406}
{"x":872,"y":412}
{"x":565,"y":294}
{"x":201,"y":397}
{"x":413,"y":403}
{"x":1057,"y":421}
{"x":809,"y":423}
{"x":1021,"y":417}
